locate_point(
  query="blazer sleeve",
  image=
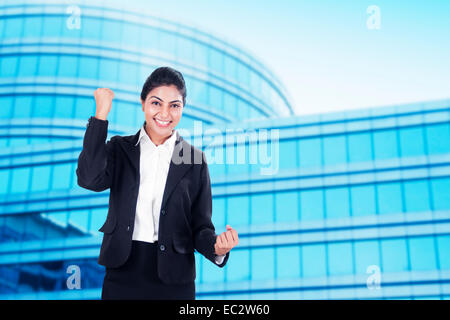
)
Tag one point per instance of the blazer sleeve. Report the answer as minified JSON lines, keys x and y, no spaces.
{"x":96,"y":161}
{"x":203,"y":228}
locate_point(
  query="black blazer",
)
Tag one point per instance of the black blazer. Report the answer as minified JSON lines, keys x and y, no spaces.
{"x":185,"y":221}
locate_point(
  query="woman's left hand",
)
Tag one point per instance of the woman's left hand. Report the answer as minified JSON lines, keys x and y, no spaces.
{"x":226,"y":241}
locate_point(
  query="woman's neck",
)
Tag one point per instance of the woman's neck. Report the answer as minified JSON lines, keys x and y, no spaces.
{"x":157,"y":140}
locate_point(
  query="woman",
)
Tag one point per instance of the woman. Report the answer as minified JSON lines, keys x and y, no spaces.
{"x":160,"y":202}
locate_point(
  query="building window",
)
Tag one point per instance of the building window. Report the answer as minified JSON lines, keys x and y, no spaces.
{"x":416,"y":196}
{"x":444,"y":252}
{"x":385,"y":144}
{"x":394,"y":255}
{"x":262,"y":208}
{"x":310,"y":152}
{"x":20,"y":180}
{"x":314,"y":260}
{"x":88,"y":67}
{"x":68,"y":66}
{"x":27,"y":66}
{"x":334,"y":149}
{"x":438,"y":138}
{"x":422,"y":253}
{"x":263,"y":264}
{"x":287,"y":208}
{"x":238,"y":267}
{"x":367,"y":253}
{"x":411,"y":141}
{"x":288,"y":262}
{"x":337,"y":204}
{"x":48,"y":65}
{"x":238,"y":210}
{"x":288,"y":154}
{"x":362,"y":200}
{"x":440,"y":189}
{"x":311,"y":205}
{"x":8,"y":66}
{"x":389,"y":198}
{"x":340,"y":258}
{"x":360,"y":147}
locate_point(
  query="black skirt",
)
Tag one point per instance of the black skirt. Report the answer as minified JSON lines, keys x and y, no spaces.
{"x":138,"y":279}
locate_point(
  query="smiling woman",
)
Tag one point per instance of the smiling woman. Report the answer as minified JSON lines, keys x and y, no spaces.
{"x":160,"y":211}
{"x":163,"y":98}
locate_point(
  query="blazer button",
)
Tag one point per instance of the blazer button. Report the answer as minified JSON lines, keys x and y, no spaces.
{"x":128,"y":228}
{"x":162,"y":247}
{"x":163,"y":212}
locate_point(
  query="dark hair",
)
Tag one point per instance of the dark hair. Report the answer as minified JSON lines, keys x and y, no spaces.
{"x":164,"y":76}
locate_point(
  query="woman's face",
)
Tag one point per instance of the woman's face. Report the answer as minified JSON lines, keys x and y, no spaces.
{"x":163,"y":108}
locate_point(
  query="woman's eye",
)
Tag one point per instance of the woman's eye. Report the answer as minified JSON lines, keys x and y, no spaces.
{"x":175,"y":106}
{"x":155,"y":102}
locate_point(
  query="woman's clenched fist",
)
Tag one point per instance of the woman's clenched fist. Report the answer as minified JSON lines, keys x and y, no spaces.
{"x":226,"y":241}
{"x":103,"y":101}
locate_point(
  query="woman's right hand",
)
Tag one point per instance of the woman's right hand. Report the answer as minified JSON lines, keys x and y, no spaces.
{"x":103,"y":101}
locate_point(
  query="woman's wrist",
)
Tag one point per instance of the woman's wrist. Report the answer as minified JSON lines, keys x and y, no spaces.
{"x":101,"y":116}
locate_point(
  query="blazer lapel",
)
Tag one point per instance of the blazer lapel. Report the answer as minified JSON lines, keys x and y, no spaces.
{"x":176,"y":169}
{"x":132,"y":150}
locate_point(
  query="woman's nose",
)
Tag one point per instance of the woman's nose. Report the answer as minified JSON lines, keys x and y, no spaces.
{"x":164,"y":112}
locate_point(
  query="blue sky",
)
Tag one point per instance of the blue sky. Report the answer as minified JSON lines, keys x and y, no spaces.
{"x":323,"y":51}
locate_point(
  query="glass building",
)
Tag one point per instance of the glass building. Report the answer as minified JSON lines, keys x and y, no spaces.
{"x":356,"y":205}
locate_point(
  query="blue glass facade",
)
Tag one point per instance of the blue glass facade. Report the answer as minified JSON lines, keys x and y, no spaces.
{"x":355,"y":191}
{"x":352,"y":191}
{"x":52,"y":68}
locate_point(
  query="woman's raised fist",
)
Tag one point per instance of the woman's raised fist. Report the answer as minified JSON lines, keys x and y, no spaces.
{"x":103,"y":101}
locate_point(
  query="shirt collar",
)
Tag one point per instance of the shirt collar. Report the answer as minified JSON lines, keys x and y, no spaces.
{"x":169,"y":143}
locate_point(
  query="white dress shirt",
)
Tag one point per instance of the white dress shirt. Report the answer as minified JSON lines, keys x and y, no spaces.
{"x":154,"y":168}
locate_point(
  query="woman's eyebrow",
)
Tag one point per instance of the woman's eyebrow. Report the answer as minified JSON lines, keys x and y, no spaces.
{"x":163,"y":100}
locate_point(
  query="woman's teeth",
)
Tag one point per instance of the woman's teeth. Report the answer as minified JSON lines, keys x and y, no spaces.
{"x":162,"y":123}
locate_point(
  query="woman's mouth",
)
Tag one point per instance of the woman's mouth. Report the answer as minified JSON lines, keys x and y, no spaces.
{"x":162,"y":124}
